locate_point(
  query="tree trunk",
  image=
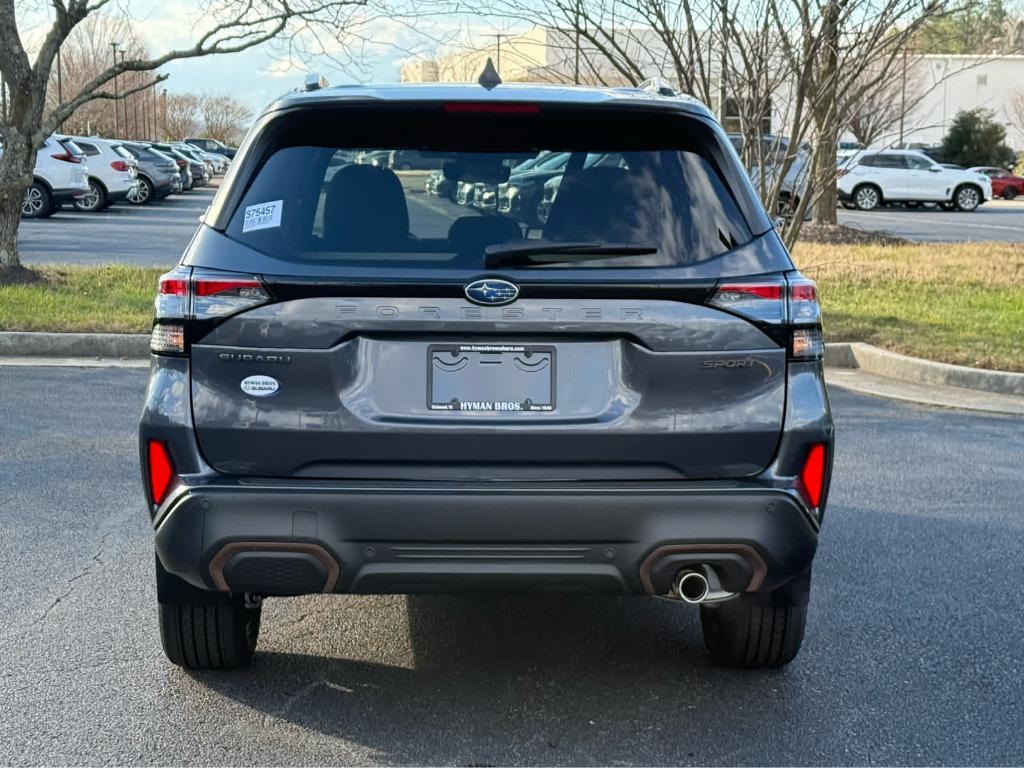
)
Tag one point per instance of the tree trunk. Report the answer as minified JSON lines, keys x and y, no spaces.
{"x":828,"y":197}
{"x":15,"y":177}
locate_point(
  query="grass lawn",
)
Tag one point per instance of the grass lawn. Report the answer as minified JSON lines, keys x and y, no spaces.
{"x":116,"y":299}
{"x":956,"y":303}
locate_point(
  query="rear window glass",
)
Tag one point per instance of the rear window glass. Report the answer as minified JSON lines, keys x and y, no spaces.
{"x":518,"y":190}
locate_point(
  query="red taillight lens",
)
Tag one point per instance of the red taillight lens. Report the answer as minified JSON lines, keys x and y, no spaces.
{"x":160,"y":470}
{"x":771,"y":291}
{"x":67,"y":157}
{"x":181,"y":163}
{"x":214,"y":287}
{"x":172,"y":286}
{"x":120,"y":165}
{"x":763,"y":301}
{"x":487,"y":107}
{"x":812,"y":476}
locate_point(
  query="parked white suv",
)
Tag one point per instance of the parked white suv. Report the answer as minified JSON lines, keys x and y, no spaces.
{"x":871,"y":178}
{"x":112,"y":173}
{"x":59,"y":177}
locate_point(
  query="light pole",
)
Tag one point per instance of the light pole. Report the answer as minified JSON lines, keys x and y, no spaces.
{"x":498,"y":36}
{"x":117,"y":130}
{"x":125,"y":101}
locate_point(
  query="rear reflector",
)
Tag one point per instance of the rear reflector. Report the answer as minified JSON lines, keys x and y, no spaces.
{"x":812,"y":476}
{"x":161,"y":471}
{"x":484,"y":107}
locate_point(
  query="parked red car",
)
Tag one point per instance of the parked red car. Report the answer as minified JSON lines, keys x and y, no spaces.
{"x":1004,"y":183}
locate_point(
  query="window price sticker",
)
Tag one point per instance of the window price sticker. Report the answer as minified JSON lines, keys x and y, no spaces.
{"x":262,"y":216}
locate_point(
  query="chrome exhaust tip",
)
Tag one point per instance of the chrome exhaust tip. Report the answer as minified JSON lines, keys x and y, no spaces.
{"x":691,"y":587}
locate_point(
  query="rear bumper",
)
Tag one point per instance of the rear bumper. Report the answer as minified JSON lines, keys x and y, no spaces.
{"x":294,"y":538}
{"x":68,"y":194}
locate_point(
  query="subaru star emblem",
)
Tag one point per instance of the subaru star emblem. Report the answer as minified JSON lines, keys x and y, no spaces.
{"x":492,"y":292}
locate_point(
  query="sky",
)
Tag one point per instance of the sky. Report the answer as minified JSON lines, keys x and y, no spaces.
{"x":258,"y":75}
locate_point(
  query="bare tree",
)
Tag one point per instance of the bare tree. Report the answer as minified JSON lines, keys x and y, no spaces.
{"x":228,"y":26}
{"x":225,"y":118}
{"x":183,"y":116}
{"x":883,"y":107}
{"x":1015,"y":109}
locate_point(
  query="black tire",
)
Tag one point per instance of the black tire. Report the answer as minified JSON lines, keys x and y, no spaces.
{"x":144,"y":192}
{"x":94,"y":200}
{"x":912,"y":204}
{"x":867,"y":197}
{"x":37,"y":202}
{"x":405,"y":167}
{"x":220,"y":635}
{"x":757,"y":631}
{"x":967,"y":198}
{"x":1009,"y":193}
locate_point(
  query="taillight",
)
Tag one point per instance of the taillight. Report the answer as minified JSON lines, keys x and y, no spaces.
{"x":762,"y":301}
{"x":120,"y":165}
{"x":67,"y":157}
{"x":184,"y":294}
{"x":812,"y":476}
{"x":181,"y":163}
{"x":160,"y":471}
{"x":783,"y":302}
{"x":807,"y":342}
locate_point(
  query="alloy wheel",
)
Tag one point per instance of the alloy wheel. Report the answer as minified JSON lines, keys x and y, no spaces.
{"x":90,"y":200}
{"x":967,"y":199}
{"x":867,"y":198}
{"x":32,"y":204}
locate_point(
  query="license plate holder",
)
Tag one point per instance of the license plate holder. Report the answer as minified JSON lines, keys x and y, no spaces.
{"x":491,"y":378}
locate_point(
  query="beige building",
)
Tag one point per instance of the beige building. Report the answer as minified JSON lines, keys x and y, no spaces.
{"x":943,"y":84}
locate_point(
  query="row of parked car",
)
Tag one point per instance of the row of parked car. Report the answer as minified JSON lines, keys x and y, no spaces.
{"x":869,"y":179}
{"x":528,"y":194}
{"x":92,"y":173}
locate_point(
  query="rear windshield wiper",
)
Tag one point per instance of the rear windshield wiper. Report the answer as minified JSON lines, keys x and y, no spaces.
{"x":518,"y":254}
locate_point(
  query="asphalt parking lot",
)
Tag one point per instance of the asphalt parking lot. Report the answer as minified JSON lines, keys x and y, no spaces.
{"x":913,"y":652}
{"x":156,"y":235}
{"x":1000,"y":220}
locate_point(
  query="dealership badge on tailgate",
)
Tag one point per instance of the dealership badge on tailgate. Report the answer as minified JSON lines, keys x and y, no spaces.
{"x":260,"y":386}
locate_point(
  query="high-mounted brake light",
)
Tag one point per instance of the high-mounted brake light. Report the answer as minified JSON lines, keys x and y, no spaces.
{"x":812,"y":476}
{"x":160,"y":471}
{"x":497,"y":107}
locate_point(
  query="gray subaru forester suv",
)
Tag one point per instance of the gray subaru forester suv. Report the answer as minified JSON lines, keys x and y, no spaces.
{"x":359,"y":387}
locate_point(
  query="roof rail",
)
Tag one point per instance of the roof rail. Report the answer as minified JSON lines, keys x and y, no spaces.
{"x":657,"y":85}
{"x":314,"y":82}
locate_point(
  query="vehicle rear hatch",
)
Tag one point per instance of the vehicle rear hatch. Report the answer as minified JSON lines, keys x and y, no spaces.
{"x":368,"y":354}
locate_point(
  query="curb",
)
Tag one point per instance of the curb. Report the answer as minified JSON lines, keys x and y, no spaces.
{"x":891,"y":365}
{"x":64,"y":345}
{"x":857,"y":355}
